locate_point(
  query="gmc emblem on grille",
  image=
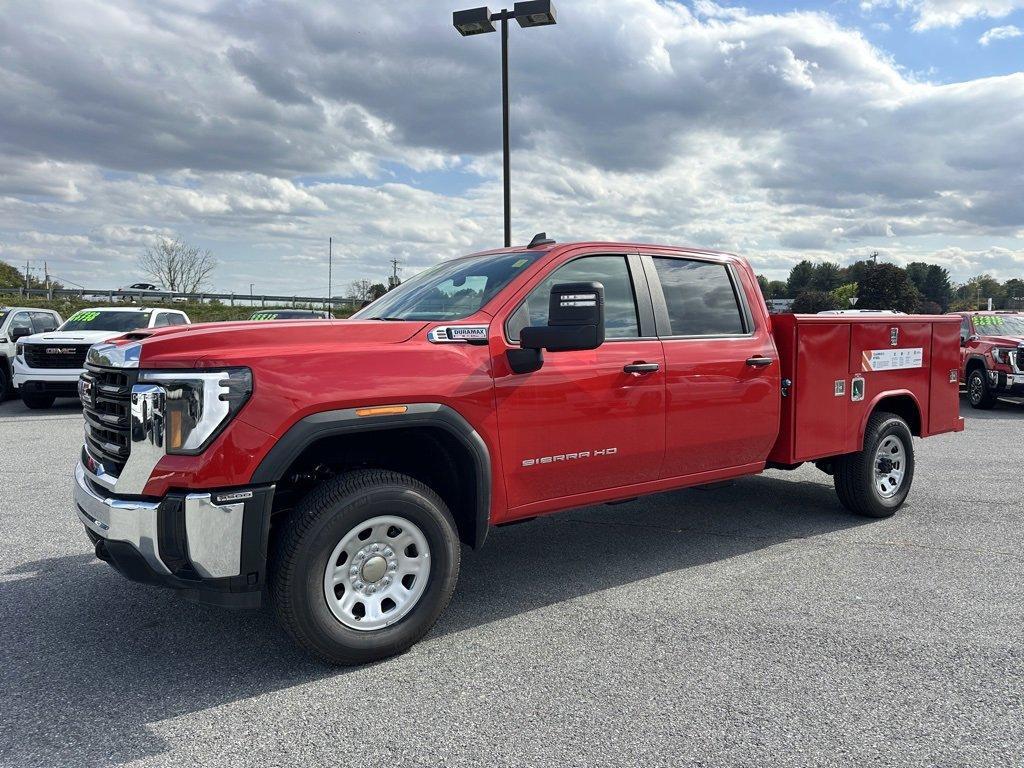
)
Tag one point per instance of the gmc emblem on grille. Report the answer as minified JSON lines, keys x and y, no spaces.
{"x":60,"y":350}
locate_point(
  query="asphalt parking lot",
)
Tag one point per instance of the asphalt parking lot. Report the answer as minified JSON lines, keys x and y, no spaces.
{"x":752,"y":624}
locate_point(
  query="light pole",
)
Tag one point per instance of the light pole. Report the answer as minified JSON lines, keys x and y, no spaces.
{"x":478,"y":21}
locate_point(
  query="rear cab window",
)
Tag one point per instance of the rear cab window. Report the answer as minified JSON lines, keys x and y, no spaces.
{"x":701,"y":298}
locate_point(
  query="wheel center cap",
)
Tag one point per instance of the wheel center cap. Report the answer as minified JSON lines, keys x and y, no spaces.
{"x":374,"y":569}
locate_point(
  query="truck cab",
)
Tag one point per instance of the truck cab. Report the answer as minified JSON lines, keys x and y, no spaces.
{"x":338,"y":467}
{"x":48,"y":363}
{"x":992,"y":356}
{"x":16,"y":323}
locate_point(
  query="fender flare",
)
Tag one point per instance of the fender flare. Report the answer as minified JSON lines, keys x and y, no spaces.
{"x":882,"y":396}
{"x":306,"y":431}
{"x":971,"y":358}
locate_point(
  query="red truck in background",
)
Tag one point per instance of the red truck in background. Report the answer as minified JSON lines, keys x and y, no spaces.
{"x":337,"y":466}
{"x":991,"y":356}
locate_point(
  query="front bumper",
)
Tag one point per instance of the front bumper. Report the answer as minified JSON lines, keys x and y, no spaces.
{"x":53,"y":381}
{"x":212,"y":546}
{"x":1009,"y":384}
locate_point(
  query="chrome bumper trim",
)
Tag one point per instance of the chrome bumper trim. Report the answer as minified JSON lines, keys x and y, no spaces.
{"x":119,"y":520}
{"x":213,"y":531}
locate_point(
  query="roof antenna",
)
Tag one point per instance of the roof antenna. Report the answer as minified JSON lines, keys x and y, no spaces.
{"x":541,"y":238}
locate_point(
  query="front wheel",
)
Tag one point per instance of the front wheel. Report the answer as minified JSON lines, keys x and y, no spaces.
{"x":978,"y":393}
{"x":875,"y":481}
{"x":6,"y":390}
{"x":367,"y":563}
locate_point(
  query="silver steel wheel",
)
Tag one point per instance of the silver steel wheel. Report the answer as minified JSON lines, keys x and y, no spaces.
{"x":377,"y":573}
{"x":890,"y":466}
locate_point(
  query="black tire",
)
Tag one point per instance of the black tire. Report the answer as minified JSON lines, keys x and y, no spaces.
{"x":319,"y":523}
{"x":6,"y":390}
{"x":978,"y":393}
{"x":37,"y":402}
{"x":856,"y":482}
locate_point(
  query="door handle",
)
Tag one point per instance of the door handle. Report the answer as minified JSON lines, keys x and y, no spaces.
{"x":759,"y":361}
{"x":640,"y":367}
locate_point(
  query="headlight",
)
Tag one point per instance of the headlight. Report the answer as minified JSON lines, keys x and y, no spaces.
{"x":1001,"y":355}
{"x":197,"y":405}
{"x":19,"y":350}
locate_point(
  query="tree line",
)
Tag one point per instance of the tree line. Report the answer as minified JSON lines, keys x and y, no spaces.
{"x":920,"y":287}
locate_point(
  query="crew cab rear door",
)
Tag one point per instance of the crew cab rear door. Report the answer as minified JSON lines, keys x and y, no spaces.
{"x":721,"y":365}
{"x":582,"y":423}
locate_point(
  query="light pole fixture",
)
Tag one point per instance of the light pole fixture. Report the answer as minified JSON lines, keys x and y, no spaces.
{"x":478,"y":21}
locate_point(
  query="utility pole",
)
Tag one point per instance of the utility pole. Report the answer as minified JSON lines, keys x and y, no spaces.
{"x":874,"y":257}
{"x":393,"y":281}
{"x":330,"y":269}
{"x":26,"y":277}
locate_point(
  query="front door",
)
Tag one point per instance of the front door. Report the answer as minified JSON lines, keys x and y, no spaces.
{"x":584,"y":422}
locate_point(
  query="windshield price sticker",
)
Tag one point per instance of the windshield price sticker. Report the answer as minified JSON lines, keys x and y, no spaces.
{"x":84,"y":317}
{"x":892,"y":359}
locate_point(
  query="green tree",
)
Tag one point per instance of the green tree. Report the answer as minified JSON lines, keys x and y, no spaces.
{"x":843,"y":294}
{"x":377,"y":290}
{"x":801,"y":278}
{"x":777,"y":289}
{"x":1014,"y":291}
{"x":975,"y":293}
{"x":937,"y":287}
{"x":811,"y":302}
{"x":886,"y":286}
{"x":827,"y":276}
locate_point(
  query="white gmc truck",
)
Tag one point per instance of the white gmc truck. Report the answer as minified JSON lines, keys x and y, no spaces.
{"x":47,"y":365}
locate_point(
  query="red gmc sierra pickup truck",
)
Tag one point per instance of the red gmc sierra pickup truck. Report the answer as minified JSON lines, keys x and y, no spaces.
{"x":337,"y":466}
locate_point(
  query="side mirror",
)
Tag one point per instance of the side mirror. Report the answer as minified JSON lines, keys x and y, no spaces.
{"x":20,"y":333}
{"x":575,"y":322}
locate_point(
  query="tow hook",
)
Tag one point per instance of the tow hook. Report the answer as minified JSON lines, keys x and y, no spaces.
{"x":101,"y":551}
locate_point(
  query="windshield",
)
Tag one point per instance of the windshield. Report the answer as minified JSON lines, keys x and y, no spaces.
{"x":999,"y":325}
{"x":95,"y":320}
{"x":450,"y":291}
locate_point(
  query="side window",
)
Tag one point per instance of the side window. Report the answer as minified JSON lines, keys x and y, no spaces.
{"x":20,"y":320}
{"x":43,"y":322}
{"x":162,"y":319}
{"x":700,"y":298}
{"x":965,"y":329}
{"x":176,"y":319}
{"x":612,"y":272}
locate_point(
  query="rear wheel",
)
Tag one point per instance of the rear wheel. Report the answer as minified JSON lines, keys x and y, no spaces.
{"x":978,"y":393}
{"x":875,"y":481}
{"x":37,"y":401}
{"x":365,"y":566}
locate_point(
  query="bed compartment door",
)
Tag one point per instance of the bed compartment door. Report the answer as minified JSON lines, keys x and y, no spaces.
{"x":821,"y":390}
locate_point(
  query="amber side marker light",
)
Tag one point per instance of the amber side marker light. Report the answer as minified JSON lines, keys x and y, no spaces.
{"x":382,"y":410}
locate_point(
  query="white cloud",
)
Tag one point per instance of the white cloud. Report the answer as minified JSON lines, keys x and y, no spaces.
{"x":260,"y":130}
{"x":930,"y":14}
{"x":1000,"y":33}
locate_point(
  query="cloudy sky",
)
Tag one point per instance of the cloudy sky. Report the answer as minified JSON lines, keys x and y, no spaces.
{"x":781,"y":130}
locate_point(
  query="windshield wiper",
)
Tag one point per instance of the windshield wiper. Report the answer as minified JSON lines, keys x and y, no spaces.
{"x":389,"y":319}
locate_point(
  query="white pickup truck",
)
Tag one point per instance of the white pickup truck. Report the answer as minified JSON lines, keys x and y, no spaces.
{"x":47,"y":365}
{"x":17,"y":323}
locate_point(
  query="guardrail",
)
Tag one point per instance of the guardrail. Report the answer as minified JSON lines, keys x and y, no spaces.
{"x":172,"y":296}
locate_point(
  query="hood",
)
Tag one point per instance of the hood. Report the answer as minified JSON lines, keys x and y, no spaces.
{"x":69,"y":337}
{"x":215,"y":344}
{"x":1004,"y":341}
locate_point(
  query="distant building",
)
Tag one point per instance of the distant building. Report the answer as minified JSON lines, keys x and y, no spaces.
{"x":775,"y":306}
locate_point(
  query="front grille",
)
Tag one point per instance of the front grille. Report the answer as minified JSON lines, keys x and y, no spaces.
{"x":107,"y":410}
{"x":56,"y":355}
